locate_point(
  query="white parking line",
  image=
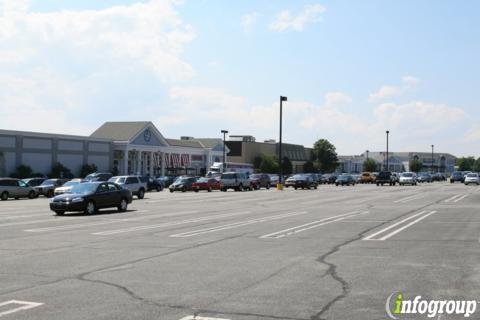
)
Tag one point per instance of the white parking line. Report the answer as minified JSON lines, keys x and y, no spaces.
{"x":461,"y":198}
{"x":456,"y":198}
{"x":391,"y":234}
{"x":25,"y":305}
{"x":235,"y":225}
{"x":409,"y":198}
{"x":201,"y":318}
{"x":169,"y":224}
{"x":311,"y":225}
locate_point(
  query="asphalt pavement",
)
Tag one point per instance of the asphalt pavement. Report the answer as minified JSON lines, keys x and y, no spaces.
{"x":331,"y":253}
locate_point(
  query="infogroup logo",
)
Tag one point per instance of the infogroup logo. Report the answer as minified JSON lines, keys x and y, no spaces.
{"x":430,"y":308}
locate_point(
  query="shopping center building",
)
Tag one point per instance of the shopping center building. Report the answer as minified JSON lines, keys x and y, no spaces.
{"x":124,"y":147}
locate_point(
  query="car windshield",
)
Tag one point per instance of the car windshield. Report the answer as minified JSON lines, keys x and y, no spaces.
{"x":70,"y":183}
{"x":84,"y":188}
{"x":297,"y":177}
{"x":117,"y":180}
{"x":203,"y":180}
{"x":48,"y":182}
{"x":407,"y":175}
{"x":472,"y":175}
{"x":228,"y":176}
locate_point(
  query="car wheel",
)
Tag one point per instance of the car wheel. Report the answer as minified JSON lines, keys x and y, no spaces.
{"x":159,"y":189}
{"x":209,"y":189}
{"x":224,"y":189}
{"x":171,"y":190}
{"x":59,"y":212}
{"x":240,"y":187}
{"x":122,"y":207}
{"x":91,"y":208}
{"x":50,"y":194}
{"x":31,"y":194}
{"x":315,"y":187}
{"x":4,"y":196}
{"x":196,"y":190}
{"x":184,"y":189}
{"x":141,"y":194}
{"x":268,"y":186}
{"x":295,"y":188}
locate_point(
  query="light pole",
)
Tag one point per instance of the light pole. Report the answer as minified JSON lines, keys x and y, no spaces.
{"x":224,"y":155}
{"x":280,"y":159}
{"x":367,"y":154}
{"x":432,"y":157}
{"x":387,"y":149}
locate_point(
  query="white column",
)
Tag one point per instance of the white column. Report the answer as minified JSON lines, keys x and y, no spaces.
{"x":125,"y":162}
{"x":151,"y":164}
{"x":137,"y":162}
{"x":163,"y":164}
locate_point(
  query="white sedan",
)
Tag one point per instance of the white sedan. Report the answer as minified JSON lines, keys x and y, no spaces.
{"x":472,"y":178}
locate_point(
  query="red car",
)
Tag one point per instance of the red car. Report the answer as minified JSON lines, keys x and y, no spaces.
{"x":207,"y":184}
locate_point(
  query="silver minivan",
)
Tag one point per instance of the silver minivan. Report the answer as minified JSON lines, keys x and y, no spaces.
{"x":237,"y":181}
{"x":14,"y":188}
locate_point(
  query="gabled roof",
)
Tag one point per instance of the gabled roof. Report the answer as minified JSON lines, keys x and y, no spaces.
{"x":184,"y":143}
{"x":209,"y":142}
{"x":120,"y":131}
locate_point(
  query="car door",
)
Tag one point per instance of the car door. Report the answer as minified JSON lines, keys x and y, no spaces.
{"x":23,"y":189}
{"x":114,"y":195}
{"x":101,"y":196}
{"x":131,"y":184}
{"x":14,"y":188}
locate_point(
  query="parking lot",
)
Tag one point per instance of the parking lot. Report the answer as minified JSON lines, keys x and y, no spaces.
{"x":331,"y":253}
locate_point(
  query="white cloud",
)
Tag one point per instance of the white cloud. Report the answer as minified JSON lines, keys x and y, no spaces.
{"x":337,"y":99}
{"x":285,"y":20}
{"x":387,"y":91}
{"x":66,"y":67}
{"x":249,"y":20}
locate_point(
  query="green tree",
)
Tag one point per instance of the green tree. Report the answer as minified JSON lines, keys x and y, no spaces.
{"x":60,"y":171}
{"x":287,"y":167}
{"x":268,"y":164}
{"x":309,"y":167}
{"x":476,"y":165}
{"x":87,"y":169}
{"x":325,"y":155}
{"x":370,"y":165}
{"x":257,"y":161}
{"x":465,"y":163}
{"x":22,"y":172}
{"x":415,"y":165}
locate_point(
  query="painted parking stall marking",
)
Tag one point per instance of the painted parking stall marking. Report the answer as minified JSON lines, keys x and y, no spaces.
{"x":402,"y":225}
{"x":14,"y":306}
{"x":456,"y":198}
{"x":201,"y":318}
{"x":169,"y":224}
{"x":236,"y":225}
{"x":311,"y":225}
{"x":409,"y":198}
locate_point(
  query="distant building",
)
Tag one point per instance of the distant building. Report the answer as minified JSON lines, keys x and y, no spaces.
{"x":244,"y":149}
{"x":126,"y":147}
{"x":399,"y":161}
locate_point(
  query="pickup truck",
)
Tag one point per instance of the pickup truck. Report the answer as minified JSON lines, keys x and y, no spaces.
{"x":386,"y":177}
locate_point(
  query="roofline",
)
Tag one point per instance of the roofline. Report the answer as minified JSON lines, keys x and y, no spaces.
{"x":52,"y":135}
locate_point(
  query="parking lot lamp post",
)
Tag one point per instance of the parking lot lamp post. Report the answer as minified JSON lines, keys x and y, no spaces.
{"x":432,"y":157}
{"x":224,"y":155}
{"x":367,"y":154}
{"x":387,"y":149}
{"x":280,"y":159}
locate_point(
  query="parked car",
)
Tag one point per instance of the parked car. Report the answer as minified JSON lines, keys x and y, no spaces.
{"x":237,"y":181}
{"x":91,"y":196}
{"x":385,"y":177}
{"x":132,"y":183}
{"x":67,"y":186}
{"x":367,"y":177}
{"x":207,"y":184}
{"x":303,"y":181}
{"x":183,"y":183}
{"x":345,"y":180}
{"x":424,"y":177}
{"x":15,"y":188}
{"x":457,"y":176}
{"x":166,"y":180}
{"x":260,"y":180}
{"x":273,"y":179}
{"x":472,"y":178}
{"x":98,"y":176}
{"x":47,"y":188}
{"x":152,"y":183}
{"x":408,"y":178}
{"x":438,"y":177}
{"x":34,"y":182}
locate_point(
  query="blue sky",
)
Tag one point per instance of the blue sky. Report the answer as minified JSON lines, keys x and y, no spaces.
{"x":350,"y":69}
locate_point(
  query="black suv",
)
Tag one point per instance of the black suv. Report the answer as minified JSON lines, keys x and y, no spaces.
{"x":386,"y":177}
